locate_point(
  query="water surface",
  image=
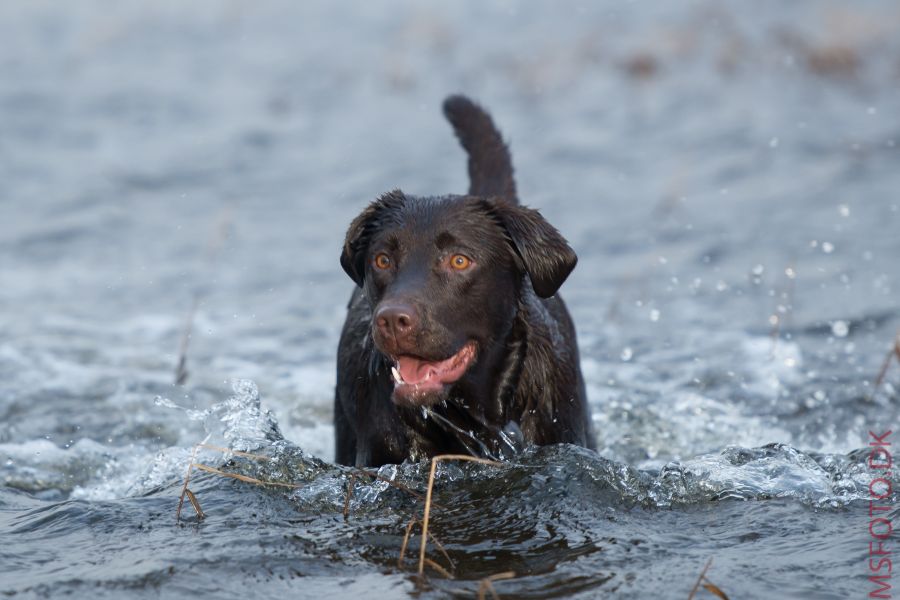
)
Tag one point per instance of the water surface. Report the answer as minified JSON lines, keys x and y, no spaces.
{"x":727,"y":173}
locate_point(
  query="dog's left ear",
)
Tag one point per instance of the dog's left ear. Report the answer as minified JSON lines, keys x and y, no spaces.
{"x":356,"y":244}
{"x":545,"y":254}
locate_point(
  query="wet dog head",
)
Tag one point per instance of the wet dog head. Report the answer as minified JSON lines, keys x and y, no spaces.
{"x":443,"y":277}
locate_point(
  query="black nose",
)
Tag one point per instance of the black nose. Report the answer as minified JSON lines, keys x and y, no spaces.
{"x":398,"y":321}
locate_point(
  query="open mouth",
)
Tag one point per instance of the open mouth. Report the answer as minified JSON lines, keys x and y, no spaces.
{"x":419,"y":382}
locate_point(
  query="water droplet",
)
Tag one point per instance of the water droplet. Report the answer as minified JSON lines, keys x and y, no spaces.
{"x":654,"y":315}
{"x":827,"y":247}
{"x":791,"y":273}
{"x":626,"y":354}
{"x":844,"y":210}
{"x":758,"y":269}
{"x":840,"y":329}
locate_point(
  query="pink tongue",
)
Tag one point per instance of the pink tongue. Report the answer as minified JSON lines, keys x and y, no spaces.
{"x":413,"y":370}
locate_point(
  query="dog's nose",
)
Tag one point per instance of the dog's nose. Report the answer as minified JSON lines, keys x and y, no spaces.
{"x":396,"y":320}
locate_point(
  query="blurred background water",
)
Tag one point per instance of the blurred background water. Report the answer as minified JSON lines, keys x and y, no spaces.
{"x":726,"y":171}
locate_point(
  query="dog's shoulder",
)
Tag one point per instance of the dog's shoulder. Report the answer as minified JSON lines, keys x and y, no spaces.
{"x":550,"y":396}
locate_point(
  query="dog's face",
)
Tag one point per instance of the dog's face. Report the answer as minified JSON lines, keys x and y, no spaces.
{"x":443,"y":277}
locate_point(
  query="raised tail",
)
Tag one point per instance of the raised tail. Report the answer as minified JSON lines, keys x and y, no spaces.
{"x":490,"y":166}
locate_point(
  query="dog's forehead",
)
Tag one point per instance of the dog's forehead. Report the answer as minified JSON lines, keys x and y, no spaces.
{"x":432,"y":220}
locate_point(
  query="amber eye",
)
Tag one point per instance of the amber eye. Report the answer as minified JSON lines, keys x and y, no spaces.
{"x":382,"y":261}
{"x":460,"y":262}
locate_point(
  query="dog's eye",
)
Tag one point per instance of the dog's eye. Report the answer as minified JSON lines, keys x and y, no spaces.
{"x":460,"y":262}
{"x":382,"y":261}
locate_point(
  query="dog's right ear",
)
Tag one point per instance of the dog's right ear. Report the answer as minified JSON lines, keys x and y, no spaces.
{"x":356,"y":244}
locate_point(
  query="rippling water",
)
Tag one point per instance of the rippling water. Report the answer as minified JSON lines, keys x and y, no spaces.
{"x":727,"y":172}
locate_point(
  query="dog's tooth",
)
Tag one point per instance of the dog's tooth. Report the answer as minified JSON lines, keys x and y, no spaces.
{"x":396,"y":373}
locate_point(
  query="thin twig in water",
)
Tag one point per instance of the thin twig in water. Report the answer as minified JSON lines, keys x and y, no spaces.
{"x":362,"y":472}
{"x":431,"y":536}
{"x":403,"y":546}
{"x":393,"y":483}
{"x":712,"y":588}
{"x":349,"y":495}
{"x":441,"y":548}
{"x":196,"y":504}
{"x":181,"y":372}
{"x":213,"y":246}
{"x":245,"y":478}
{"x":892,"y":353}
{"x":699,"y":580}
{"x":487,"y":584}
{"x":187,"y":480}
{"x":185,"y":492}
{"x":235,"y":452}
{"x":439,"y":568}
{"x":428,"y":494}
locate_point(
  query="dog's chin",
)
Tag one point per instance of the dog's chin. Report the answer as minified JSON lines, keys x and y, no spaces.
{"x":412,"y":396}
{"x":419,"y":382}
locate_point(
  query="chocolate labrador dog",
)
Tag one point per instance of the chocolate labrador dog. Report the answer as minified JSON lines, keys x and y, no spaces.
{"x":456,"y":340}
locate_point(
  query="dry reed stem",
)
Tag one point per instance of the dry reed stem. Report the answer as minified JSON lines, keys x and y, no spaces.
{"x":487,"y":584}
{"x":181,"y":372}
{"x":245,"y":478}
{"x":196,"y":504}
{"x":235,"y":452}
{"x":403,"y":546}
{"x":892,"y":353}
{"x":213,"y":246}
{"x":699,"y":579}
{"x":431,"y":536}
{"x":427,"y":511}
{"x":356,"y":473}
{"x":349,"y":495}
{"x":712,"y":588}
{"x":439,"y":568}
{"x":882,"y":372}
{"x":187,"y":480}
{"x":895,"y":351}
{"x":441,"y":548}
{"x":395,"y":484}
{"x":353,"y":476}
{"x":185,"y":492}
